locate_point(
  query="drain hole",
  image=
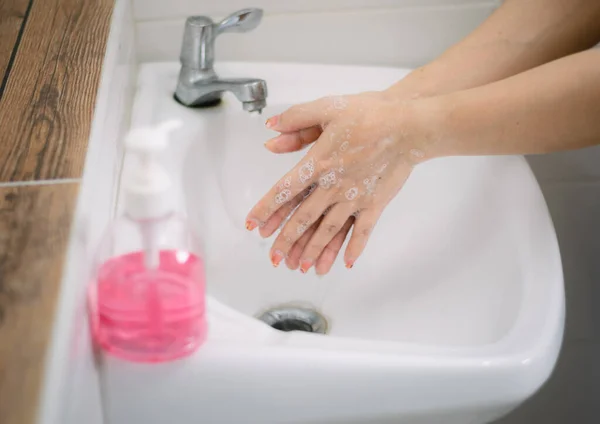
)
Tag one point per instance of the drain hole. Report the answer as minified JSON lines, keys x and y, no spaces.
{"x":295,"y":319}
{"x":292,"y":325}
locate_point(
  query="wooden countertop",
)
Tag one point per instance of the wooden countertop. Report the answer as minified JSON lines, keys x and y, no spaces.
{"x":51,"y":53}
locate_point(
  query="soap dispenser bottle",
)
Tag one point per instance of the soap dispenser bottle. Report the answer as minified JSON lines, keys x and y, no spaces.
{"x":148,"y":300}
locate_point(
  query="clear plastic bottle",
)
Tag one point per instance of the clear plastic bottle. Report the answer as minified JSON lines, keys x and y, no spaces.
{"x":148,"y":300}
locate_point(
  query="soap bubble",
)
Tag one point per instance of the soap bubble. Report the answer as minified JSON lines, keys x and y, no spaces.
{"x":306,"y":171}
{"x":351,"y":193}
{"x":340,"y":103}
{"x":283,"y":196}
{"x":417,"y":153}
{"x":327,"y":180}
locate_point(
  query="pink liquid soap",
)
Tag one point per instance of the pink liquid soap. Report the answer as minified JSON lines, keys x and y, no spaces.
{"x":149,"y":315}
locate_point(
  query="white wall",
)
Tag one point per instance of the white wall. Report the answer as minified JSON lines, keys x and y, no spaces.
{"x":571,"y":184}
{"x":395,"y":32}
{"x":409,"y":33}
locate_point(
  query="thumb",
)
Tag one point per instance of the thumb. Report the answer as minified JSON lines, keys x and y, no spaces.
{"x":299,"y":117}
{"x":294,"y":141}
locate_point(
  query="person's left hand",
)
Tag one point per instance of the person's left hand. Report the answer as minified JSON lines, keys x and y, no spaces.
{"x":363,"y":152}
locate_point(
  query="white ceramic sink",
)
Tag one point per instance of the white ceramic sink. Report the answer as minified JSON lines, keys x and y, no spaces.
{"x":453,"y":315}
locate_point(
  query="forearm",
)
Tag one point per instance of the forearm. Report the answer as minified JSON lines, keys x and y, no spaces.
{"x":520,"y":35}
{"x":552,"y":107}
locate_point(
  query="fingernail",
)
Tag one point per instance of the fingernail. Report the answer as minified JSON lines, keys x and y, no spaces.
{"x":276,"y":258}
{"x":349,"y":264}
{"x":251,"y":224}
{"x":272,"y":141}
{"x":305,"y":266}
{"x":272,"y":121}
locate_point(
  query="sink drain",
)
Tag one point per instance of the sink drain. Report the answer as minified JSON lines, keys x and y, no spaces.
{"x":294,"y":318}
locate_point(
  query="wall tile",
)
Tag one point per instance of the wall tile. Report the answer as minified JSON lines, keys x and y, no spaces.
{"x":161,"y":9}
{"x":570,"y":396}
{"x":575,"y":210}
{"x":578,"y":165}
{"x":405,"y":37}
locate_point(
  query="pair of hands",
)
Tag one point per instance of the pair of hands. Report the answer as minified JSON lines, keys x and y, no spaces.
{"x":362,"y":150}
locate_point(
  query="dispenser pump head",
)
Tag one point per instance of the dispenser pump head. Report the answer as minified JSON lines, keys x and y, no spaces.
{"x":148,"y":191}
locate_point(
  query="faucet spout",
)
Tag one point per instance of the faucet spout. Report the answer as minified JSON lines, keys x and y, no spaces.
{"x":251,"y":92}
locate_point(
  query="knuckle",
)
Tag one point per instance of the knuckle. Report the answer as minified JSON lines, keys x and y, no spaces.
{"x":296,"y":230}
{"x":331,"y":228}
{"x":287,"y":237}
{"x":364,"y":231}
{"x":322,"y":165}
{"x":304,"y":218}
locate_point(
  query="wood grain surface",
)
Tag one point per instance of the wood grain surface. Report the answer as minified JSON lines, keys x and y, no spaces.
{"x":13,"y":17}
{"x":34,"y":231}
{"x":49,"y":95}
{"x":51,"y":54}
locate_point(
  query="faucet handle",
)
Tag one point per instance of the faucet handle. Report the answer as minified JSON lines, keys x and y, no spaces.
{"x":198,"y":46}
{"x":241,"y":21}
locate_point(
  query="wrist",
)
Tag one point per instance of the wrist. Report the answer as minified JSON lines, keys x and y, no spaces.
{"x":454,"y":124}
{"x":417,"y":84}
{"x":420,"y":129}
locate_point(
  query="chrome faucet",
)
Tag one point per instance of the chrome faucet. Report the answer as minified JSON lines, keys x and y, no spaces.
{"x":198,"y":84}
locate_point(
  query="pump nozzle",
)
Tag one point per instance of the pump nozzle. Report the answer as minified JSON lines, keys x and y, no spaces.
{"x":148,"y":192}
{"x":148,"y":185}
{"x":148,"y":140}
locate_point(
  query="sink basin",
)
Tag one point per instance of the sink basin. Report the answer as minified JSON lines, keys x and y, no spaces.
{"x":454,"y":314}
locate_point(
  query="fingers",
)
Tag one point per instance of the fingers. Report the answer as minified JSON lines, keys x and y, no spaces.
{"x":331,"y":251}
{"x":302,"y":219}
{"x":293,"y":183}
{"x":293,"y":259}
{"x":363,"y":226}
{"x":299,"y":117}
{"x":330,"y":226}
{"x":273,"y":223}
{"x":292,"y":142}
{"x":302,"y":176}
{"x":305,"y":173}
